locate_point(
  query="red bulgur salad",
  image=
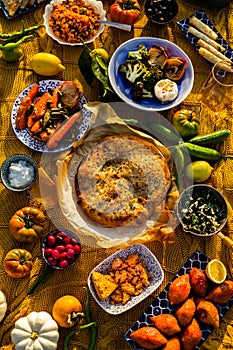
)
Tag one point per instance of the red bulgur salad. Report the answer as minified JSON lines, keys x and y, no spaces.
{"x":74,"y":21}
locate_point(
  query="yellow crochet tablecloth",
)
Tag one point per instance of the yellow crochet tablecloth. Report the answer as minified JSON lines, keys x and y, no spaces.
{"x":14,"y":77}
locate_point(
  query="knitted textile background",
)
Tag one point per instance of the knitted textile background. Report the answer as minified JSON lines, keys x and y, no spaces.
{"x":13,"y":79}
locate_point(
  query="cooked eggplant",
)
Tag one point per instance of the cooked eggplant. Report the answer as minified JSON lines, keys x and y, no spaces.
{"x":157,"y":56}
{"x":174,"y":68}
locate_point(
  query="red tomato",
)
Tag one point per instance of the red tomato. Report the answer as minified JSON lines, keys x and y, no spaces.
{"x":125,"y":11}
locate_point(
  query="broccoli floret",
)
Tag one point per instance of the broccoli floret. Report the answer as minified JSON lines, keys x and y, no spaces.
{"x":139,"y":92}
{"x":158,"y":72}
{"x":144,"y":87}
{"x":141,"y":54}
{"x":149,"y":80}
{"x":132,"y":69}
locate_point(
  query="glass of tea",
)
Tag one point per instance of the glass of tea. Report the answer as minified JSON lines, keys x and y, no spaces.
{"x":217,"y":92}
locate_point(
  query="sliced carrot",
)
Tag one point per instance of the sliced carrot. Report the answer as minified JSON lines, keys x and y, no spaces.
{"x":36,"y":127}
{"x":40,"y":107}
{"x":21,"y":118}
{"x":33,"y":91}
{"x":54,"y":140}
{"x":44,"y":136}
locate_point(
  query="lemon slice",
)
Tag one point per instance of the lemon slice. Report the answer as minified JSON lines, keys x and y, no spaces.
{"x":216,"y":271}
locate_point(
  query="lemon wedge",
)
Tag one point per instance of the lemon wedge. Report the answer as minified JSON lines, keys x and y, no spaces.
{"x":216,"y":271}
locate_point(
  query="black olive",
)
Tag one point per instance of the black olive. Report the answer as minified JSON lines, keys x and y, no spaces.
{"x":161,"y":11}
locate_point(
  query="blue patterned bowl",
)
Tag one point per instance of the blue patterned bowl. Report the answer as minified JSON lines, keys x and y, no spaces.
{"x":150,"y":262}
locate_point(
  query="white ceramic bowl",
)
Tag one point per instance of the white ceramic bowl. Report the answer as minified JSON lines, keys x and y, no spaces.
{"x":97,"y":5}
{"x":123,"y":88}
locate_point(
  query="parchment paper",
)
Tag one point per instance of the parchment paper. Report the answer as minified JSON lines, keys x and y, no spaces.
{"x":105,"y":122}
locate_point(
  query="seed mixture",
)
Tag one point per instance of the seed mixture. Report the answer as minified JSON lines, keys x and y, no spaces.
{"x":74,"y":21}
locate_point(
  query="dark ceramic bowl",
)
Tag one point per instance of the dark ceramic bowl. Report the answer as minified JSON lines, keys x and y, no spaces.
{"x":7,"y":171}
{"x":61,"y":249}
{"x":161,"y":11}
{"x":202,"y":210}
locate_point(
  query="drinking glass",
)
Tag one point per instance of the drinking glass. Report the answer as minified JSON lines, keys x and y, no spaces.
{"x":217,"y":92}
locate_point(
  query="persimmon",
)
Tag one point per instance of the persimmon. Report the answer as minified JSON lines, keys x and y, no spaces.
{"x":67,"y":310}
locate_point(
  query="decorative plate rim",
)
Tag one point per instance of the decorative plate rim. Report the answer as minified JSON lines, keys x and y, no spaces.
{"x":24,"y":136}
{"x":154,"y":267}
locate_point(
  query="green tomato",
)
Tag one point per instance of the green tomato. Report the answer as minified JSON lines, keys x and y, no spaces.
{"x":186,"y":123}
{"x":12,"y":55}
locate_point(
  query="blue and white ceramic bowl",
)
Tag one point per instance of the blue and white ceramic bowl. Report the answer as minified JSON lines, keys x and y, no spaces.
{"x":152,"y":265}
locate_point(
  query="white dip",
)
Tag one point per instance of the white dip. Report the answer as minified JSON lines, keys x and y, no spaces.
{"x":166,"y":90}
{"x":21,"y":174}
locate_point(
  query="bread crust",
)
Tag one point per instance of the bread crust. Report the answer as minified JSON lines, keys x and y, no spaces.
{"x":121,"y":181}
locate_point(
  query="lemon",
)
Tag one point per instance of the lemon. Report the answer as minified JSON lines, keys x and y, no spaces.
{"x":216,"y":271}
{"x":46,"y":64}
{"x":198,"y":171}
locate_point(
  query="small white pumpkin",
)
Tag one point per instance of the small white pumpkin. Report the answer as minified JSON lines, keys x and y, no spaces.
{"x":36,"y":331}
{"x":3,"y":305}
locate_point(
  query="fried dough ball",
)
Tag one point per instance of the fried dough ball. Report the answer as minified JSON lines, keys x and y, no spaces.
{"x":191,"y":336}
{"x":148,"y":337}
{"x":198,"y":281}
{"x":166,"y":324}
{"x":179,"y":289}
{"x":221,"y":294}
{"x":207,"y":313}
{"x":185,"y":312}
{"x":172,"y":344}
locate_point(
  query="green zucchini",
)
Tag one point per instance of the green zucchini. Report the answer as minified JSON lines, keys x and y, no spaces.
{"x":202,"y":152}
{"x":134,"y":122}
{"x":162,"y":133}
{"x":210,"y":139}
{"x":166,"y":134}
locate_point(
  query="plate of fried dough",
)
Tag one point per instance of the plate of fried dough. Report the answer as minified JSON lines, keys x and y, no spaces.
{"x":188,"y":309}
{"x":205,"y":38}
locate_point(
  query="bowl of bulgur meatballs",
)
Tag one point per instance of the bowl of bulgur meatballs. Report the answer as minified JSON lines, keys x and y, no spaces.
{"x":74,"y":22}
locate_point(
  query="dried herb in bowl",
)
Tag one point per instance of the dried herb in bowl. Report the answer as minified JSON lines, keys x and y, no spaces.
{"x":202,"y":210}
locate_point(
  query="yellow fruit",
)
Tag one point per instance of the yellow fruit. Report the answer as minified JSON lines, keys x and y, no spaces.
{"x":46,"y":64}
{"x":216,"y":271}
{"x":199,"y":171}
{"x":101,"y":52}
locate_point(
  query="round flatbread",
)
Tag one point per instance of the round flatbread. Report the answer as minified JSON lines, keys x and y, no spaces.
{"x":122,"y":181}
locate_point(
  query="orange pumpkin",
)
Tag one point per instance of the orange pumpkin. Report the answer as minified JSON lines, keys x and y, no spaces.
{"x":67,"y":311}
{"x":18,"y":263}
{"x":27,"y":224}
